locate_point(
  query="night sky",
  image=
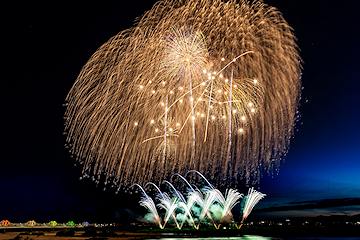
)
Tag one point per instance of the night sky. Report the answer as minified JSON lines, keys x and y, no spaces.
{"x":44,"y":47}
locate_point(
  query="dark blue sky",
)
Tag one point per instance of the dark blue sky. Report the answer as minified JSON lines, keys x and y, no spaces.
{"x":44,"y":48}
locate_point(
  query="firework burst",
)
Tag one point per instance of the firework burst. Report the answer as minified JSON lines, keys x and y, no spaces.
{"x":207,"y":204}
{"x":206,"y":85}
{"x":184,"y":55}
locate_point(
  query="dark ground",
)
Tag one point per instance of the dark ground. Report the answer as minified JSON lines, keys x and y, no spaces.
{"x":143,"y":232}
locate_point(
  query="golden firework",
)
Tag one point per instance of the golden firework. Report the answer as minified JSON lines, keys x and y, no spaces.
{"x":206,"y":85}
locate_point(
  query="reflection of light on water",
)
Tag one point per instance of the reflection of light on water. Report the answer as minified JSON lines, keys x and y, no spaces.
{"x":245,"y":237}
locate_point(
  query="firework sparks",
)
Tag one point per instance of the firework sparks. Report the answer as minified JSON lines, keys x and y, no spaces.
{"x":200,"y":204}
{"x":228,"y":202}
{"x":252,"y":198}
{"x":148,"y":203}
{"x":206,"y":85}
{"x":170,"y":205}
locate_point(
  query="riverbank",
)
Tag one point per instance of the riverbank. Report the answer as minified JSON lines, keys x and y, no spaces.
{"x":145,"y":233}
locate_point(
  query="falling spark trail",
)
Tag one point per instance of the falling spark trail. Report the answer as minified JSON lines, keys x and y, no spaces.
{"x":230,"y":125}
{"x":176,"y":192}
{"x":165,"y":134}
{"x":208,"y":113}
{"x":156,"y":187}
{"x":196,"y":172}
{"x":184,"y":179}
{"x":193,"y":123}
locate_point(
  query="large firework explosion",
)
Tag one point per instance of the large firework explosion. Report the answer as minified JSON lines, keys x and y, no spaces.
{"x":206,"y":85}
